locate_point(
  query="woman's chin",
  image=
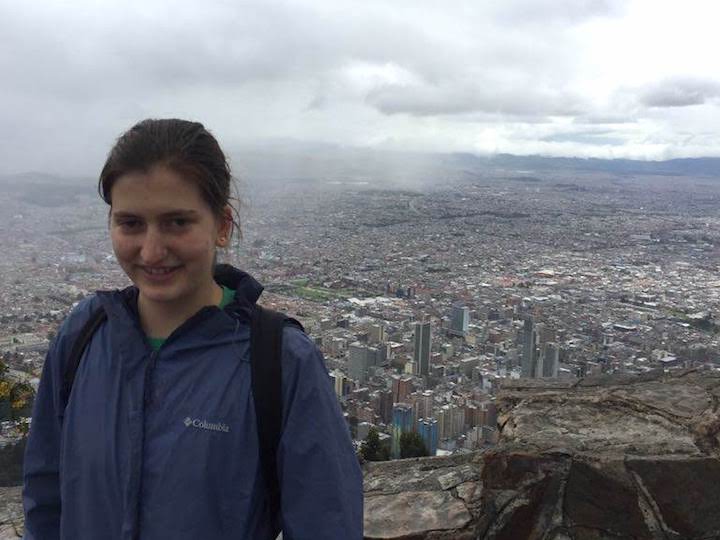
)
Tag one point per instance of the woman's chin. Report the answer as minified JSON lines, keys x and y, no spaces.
{"x":155,"y":292}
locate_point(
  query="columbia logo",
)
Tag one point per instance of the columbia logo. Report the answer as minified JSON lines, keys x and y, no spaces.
{"x":204,"y":424}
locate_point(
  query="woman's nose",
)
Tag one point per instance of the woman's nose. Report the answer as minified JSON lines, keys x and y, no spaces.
{"x":153,"y":250}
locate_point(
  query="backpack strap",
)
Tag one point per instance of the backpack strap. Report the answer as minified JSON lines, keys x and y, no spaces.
{"x":266,"y":332}
{"x":73,"y":362}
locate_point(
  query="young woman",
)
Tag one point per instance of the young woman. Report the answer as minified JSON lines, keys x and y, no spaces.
{"x":158,"y":439}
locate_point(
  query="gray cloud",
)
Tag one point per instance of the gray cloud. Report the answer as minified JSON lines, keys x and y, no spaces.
{"x":557,"y":11}
{"x":606,"y":118}
{"x":430,"y":100}
{"x":594,"y":138}
{"x":680,"y":92}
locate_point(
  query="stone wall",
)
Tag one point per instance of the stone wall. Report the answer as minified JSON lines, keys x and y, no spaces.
{"x":603,"y":458}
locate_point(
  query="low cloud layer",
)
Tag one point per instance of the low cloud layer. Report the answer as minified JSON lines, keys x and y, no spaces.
{"x":680,"y":92}
{"x":519,"y":76}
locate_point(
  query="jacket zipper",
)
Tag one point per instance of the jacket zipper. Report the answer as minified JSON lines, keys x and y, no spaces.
{"x":147,"y":401}
{"x":147,"y":390}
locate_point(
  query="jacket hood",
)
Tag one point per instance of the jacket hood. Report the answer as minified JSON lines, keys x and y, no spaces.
{"x":247,"y":289}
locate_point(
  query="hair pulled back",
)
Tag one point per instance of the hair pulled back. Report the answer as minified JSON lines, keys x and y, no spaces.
{"x":185,"y":147}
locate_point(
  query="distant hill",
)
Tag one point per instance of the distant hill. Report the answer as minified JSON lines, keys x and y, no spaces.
{"x":37,"y":177}
{"x":674,"y":167}
{"x":303,"y":163}
{"x":42,"y":189}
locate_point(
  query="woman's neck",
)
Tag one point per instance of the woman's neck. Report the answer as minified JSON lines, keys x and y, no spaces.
{"x":160,"y":319}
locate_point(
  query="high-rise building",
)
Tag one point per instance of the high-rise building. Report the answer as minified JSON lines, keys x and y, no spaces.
{"x":338,"y":379}
{"x":402,"y":422}
{"x":422,"y":403}
{"x":488,"y":413}
{"x":459,"y":320}
{"x":383,"y":354}
{"x":427,"y":398}
{"x":468,"y":364}
{"x":422,"y":348}
{"x":449,"y":422}
{"x":458,"y":421}
{"x":428,"y":430}
{"x":358,"y":362}
{"x":549,"y":363}
{"x":529,"y":357}
{"x":385,"y":406}
{"x":401,"y":388}
{"x":376,"y":333}
{"x":336,"y":346}
{"x":373,"y":355}
{"x":472,"y":415}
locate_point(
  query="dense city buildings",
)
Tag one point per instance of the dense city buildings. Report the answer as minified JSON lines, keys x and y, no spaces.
{"x":422,"y":298}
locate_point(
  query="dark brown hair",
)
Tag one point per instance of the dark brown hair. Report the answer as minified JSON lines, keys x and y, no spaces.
{"x":185,"y":147}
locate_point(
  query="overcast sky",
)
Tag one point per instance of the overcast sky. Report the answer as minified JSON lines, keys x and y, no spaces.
{"x":553,"y":77}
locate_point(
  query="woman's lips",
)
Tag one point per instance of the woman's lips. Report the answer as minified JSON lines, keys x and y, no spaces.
{"x":159,"y":274}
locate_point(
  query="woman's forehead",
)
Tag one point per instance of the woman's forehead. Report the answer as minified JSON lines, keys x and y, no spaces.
{"x":160,"y":190}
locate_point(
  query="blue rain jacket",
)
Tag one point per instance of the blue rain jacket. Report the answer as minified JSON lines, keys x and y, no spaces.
{"x":164,"y":445}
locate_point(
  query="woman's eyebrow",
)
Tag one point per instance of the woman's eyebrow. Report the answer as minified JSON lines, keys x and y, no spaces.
{"x":176,"y":213}
{"x":164,"y":215}
{"x":121,"y":214}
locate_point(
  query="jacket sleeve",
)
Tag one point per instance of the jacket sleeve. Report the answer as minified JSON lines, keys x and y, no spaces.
{"x":320,"y":478}
{"x":41,"y":492}
{"x":41,"y":466}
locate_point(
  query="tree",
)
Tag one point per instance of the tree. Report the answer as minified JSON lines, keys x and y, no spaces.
{"x":21,"y":395}
{"x":412,"y":445}
{"x":372,"y":449}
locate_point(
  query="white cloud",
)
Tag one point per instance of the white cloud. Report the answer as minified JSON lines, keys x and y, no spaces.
{"x":506,"y":76}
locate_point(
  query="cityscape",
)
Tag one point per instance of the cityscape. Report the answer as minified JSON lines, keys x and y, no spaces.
{"x":499,"y":222}
{"x":423,"y":298}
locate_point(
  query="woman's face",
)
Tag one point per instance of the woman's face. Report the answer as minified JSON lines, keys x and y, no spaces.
{"x":164,"y":236}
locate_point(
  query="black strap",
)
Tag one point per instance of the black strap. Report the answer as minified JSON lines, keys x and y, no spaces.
{"x":265,"y":359}
{"x":73,"y":362}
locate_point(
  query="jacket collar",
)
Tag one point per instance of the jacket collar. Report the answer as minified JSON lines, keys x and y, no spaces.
{"x":247,"y":291}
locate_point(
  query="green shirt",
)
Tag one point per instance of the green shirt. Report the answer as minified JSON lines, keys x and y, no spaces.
{"x":227,"y":297}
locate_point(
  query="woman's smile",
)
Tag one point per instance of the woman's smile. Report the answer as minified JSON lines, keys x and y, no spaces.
{"x":159,"y":274}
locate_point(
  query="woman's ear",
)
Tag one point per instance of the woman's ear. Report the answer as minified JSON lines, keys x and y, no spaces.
{"x":225,"y":227}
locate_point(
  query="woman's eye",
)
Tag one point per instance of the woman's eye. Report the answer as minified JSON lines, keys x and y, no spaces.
{"x":129,"y":224}
{"x":180,"y":222}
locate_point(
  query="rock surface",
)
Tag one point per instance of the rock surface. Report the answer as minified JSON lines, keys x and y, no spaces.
{"x":11,"y":515}
{"x":603,"y":458}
